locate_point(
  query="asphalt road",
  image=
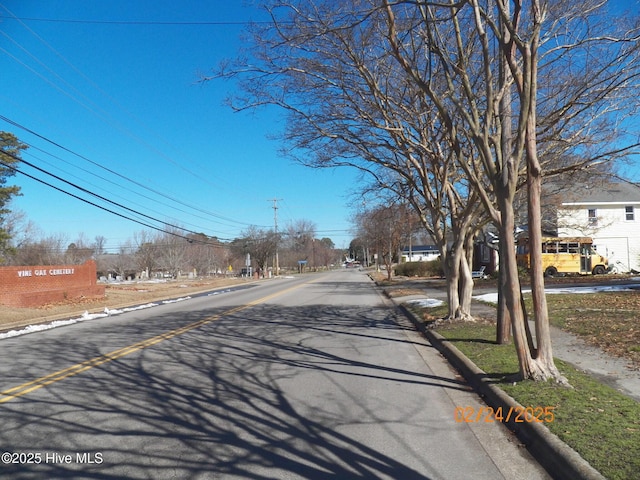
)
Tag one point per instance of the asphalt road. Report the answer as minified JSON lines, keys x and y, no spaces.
{"x":314,"y":377}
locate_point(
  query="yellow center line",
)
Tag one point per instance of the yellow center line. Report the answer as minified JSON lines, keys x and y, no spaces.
{"x":28,"y":387}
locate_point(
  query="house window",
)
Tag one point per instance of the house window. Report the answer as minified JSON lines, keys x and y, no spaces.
{"x":593,"y":218}
{"x":628,"y":213}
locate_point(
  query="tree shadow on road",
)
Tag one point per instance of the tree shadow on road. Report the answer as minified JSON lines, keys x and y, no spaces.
{"x":243,"y":396}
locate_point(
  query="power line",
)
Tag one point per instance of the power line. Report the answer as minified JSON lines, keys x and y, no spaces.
{"x":119,"y":175}
{"x":135,"y":22}
{"x":94,"y":109}
{"x":17,"y":170}
{"x":91,"y":192}
{"x":155,"y":201}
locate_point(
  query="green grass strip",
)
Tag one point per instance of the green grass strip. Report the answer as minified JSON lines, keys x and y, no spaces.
{"x":597,"y":421}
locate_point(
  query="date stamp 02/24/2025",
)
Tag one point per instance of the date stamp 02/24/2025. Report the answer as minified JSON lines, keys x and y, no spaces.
{"x":516,"y":414}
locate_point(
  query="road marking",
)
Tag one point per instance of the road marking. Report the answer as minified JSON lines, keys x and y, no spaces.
{"x":28,"y":387}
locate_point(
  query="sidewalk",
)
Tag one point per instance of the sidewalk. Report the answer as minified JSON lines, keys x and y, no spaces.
{"x":612,"y":371}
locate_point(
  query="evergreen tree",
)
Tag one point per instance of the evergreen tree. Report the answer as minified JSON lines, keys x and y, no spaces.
{"x":10,"y":148}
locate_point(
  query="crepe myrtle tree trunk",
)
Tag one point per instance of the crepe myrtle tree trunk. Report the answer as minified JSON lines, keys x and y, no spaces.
{"x":463,"y":216}
{"x":543,"y":353}
{"x":534,"y":364}
{"x":466,"y":283}
{"x":451,"y":269}
{"x":522,"y":57}
{"x":450,"y":265}
{"x":512,"y":289}
{"x":503,"y":321}
{"x":459,"y":282}
{"x":388,"y":264}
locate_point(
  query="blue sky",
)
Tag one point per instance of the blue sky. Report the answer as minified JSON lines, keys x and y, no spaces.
{"x":126,"y":97}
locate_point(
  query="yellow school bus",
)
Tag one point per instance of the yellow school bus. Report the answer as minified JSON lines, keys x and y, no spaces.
{"x":565,"y":255}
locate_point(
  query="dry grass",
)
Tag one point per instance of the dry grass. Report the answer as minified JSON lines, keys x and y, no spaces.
{"x":116,"y":296}
{"x":608,"y":320}
{"x":404,"y":292}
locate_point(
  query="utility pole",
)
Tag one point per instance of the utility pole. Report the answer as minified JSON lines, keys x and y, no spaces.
{"x":275,"y":229}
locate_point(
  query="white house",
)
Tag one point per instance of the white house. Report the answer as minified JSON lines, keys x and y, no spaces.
{"x":610,"y":214}
{"x":419,"y":253}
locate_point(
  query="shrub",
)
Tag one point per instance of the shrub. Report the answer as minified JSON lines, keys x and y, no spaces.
{"x":420,"y":269}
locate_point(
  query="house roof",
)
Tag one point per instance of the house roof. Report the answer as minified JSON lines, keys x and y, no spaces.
{"x":421,"y":248}
{"x":605,"y":192}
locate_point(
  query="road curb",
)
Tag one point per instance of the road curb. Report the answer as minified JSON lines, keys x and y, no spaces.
{"x":555,"y":456}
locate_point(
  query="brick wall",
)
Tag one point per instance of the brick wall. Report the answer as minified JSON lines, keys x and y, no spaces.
{"x":34,"y":286}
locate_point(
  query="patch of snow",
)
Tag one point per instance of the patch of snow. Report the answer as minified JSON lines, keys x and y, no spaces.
{"x":108,"y":312}
{"x":181,"y":299}
{"x":218,"y":292}
{"x":427,"y":302}
{"x":493,"y":297}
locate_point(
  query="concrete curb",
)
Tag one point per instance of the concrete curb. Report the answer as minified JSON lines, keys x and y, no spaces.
{"x":555,"y":456}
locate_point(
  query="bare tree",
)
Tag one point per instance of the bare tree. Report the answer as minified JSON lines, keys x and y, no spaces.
{"x":350,"y":104}
{"x":79,"y":251}
{"x":20,"y":231}
{"x":123,"y":263}
{"x":172,"y":249}
{"x":386,"y":229}
{"x":429,"y":90}
{"x":506,"y":38}
{"x":48,"y":250}
{"x":299,"y":242}
{"x":326,"y":253}
{"x":147,"y":252}
{"x":202,"y":254}
{"x":99,"y":245}
{"x":259,"y":244}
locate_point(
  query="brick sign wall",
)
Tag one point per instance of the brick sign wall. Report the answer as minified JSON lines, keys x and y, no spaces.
{"x":34,"y":286}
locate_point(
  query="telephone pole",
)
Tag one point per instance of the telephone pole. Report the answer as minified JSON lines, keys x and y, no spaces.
{"x":275,"y":229}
